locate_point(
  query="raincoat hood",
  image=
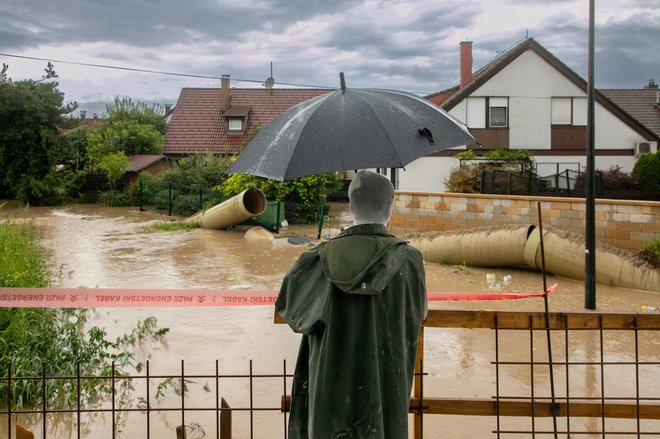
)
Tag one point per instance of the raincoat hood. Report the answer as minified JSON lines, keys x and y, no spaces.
{"x":359,"y":260}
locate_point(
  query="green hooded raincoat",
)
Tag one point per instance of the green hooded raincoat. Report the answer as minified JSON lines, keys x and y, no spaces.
{"x":359,"y":301}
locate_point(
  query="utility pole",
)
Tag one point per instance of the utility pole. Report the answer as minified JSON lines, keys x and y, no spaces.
{"x":590,"y":198}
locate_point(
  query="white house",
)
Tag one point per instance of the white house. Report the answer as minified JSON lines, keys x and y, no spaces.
{"x":526,"y":98}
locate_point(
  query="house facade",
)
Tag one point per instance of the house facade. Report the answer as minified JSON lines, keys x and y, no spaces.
{"x":221,"y":120}
{"x":526,"y":98}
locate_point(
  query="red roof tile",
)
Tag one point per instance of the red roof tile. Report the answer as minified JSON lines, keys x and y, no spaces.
{"x":199,"y":125}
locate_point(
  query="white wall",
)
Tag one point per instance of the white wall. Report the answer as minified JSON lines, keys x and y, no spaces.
{"x":529,"y":122}
{"x":530,"y":83}
{"x":426,"y":174}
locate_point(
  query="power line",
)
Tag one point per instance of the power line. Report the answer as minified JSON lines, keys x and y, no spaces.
{"x":158,"y":72}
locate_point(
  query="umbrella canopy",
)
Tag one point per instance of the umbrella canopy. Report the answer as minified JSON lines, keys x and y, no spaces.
{"x":350,"y":129}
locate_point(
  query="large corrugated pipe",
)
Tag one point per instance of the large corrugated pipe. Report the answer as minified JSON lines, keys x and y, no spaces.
{"x":251,"y":202}
{"x":520,"y":245}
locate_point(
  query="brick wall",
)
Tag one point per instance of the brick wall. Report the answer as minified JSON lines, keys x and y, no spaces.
{"x":621,"y":223}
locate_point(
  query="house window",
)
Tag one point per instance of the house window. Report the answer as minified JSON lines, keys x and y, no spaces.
{"x":475,"y":112}
{"x":498,"y":112}
{"x":235,"y":123}
{"x":569,"y":111}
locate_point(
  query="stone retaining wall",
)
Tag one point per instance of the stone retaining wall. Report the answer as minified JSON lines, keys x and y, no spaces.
{"x":621,"y":223}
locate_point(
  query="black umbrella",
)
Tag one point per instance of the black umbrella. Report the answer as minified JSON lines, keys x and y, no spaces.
{"x":350,"y":129}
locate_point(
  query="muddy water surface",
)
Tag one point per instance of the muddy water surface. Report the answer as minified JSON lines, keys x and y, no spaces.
{"x":92,"y":246}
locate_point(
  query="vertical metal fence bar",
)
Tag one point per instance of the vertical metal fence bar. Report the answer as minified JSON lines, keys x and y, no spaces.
{"x":112,"y":381}
{"x":148,"y":384}
{"x":78,"y":396}
{"x":43,"y":400}
{"x":251,"y":404}
{"x":217,"y":400}
{"x":636,"y":332}
{"x":183,"y":401}
{"x":9,"y":399}
{"x":531,"y":371}
{"x":284,"y":393}
{"x":169,"y":199}
{"x":602,"y":375}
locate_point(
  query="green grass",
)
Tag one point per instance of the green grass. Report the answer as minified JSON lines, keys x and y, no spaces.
{"x":171,"y":227}
{"x":21,"y":259}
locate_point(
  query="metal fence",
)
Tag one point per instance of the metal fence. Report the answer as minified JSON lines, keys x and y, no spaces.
{"x":566,"y":183}
{"x":570,"y":375}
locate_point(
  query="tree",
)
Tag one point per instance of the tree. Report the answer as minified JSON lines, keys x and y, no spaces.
{"x":73,"y":144}
{"x":115,"y":165}
{"x":30,"y":114}
{"x":125,"y":110}
{"x":129,"y":137}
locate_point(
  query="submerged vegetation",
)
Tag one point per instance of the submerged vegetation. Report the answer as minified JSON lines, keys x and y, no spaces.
{"x":170,"y":226}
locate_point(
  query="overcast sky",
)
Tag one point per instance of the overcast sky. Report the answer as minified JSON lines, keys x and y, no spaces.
{"x":407,"y":45}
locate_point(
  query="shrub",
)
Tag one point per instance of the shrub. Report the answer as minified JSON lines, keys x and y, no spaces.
{"x":115,"y":199}
{"x":647,"y":171}
{"x":464,"y":179}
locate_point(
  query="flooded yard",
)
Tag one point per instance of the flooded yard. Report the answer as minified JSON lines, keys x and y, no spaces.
{"x":97,"y":247}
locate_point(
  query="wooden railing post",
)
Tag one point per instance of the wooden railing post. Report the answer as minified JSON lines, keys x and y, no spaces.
{"x":225,"y":420}
{"x":418,"y":387}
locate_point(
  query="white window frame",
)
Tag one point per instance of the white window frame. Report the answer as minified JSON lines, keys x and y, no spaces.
{"x":569,"y":111}
{"x":498,"y":102}
{"x":231,"y":124}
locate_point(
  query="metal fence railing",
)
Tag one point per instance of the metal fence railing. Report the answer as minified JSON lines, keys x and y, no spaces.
{"x":598,"y":378}
{"x":566,"y":183}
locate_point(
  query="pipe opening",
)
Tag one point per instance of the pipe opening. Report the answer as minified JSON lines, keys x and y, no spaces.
{"x":254,"y":201}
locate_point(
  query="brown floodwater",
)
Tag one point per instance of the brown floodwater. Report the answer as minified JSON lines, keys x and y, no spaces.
{"x":98,"y":247}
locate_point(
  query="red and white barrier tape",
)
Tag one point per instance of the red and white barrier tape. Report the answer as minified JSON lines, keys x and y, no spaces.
{"x":112,"y":297}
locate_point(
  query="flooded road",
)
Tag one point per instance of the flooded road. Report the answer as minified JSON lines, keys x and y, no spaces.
{"x":97,"y":247}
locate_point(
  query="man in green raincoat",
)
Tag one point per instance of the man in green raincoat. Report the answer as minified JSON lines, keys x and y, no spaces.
{"x":359,"y":301}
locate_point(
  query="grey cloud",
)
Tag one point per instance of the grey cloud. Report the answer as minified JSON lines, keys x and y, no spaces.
{"x":151,"y":23}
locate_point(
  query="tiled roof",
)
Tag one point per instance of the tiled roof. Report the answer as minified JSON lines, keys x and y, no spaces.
{"x":640,"y":103}
{"x":237,"y":111}
{"x":199,"y":125}
{"x":140,"y":162}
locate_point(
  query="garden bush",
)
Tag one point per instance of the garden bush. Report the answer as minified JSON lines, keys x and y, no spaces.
{"x":647,"y":171}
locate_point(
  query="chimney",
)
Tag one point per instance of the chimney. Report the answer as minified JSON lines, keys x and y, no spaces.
{"x":466,"y":62}
{"x":224,"y":93}
{"x":651,"y":84}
